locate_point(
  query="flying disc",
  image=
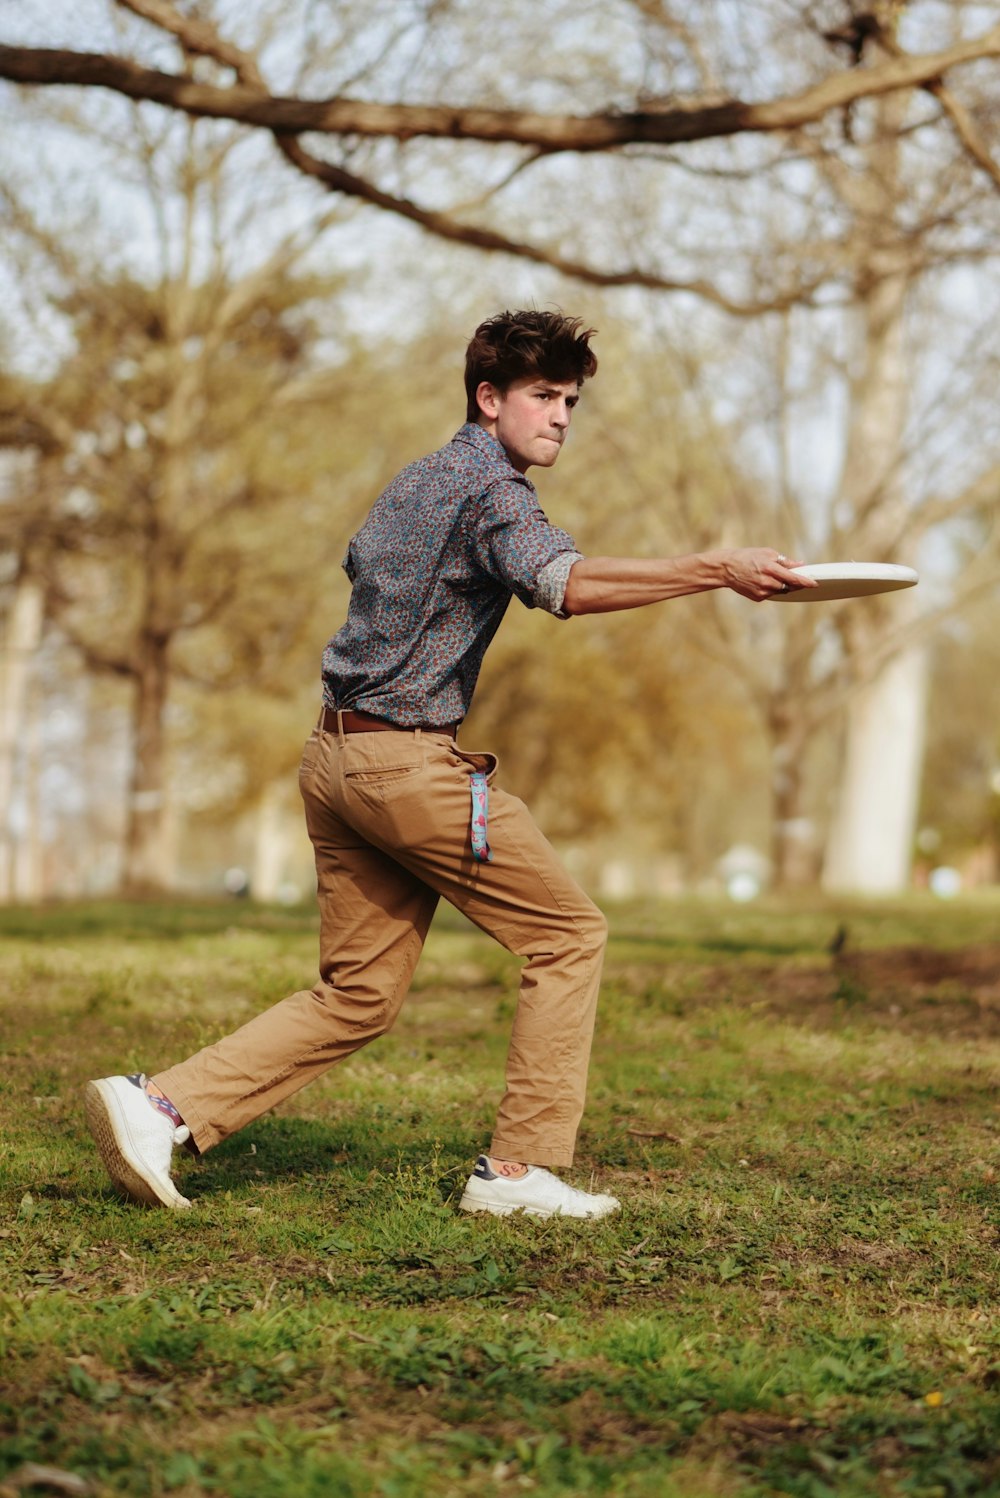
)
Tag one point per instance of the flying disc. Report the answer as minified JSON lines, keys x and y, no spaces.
{"x":847,"y":580}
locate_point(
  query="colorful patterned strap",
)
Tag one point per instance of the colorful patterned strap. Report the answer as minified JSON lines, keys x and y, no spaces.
{"x":480,"y":811}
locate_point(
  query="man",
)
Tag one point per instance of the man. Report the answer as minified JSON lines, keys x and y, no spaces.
{"x":399,"y":815}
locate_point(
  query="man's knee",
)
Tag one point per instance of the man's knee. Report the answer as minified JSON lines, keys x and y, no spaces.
{"x":597,"y":926}
{"x":588,"y":933}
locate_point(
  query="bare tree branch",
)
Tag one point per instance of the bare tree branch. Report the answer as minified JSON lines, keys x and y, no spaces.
{"x":966,"y":131}
{"x":97,"y":659}
{"x":250,"y":103}
{"x":202,"y":37}
{"x":198,"y":35}
{"x":983,"y":491}
{"x":479,"y":237}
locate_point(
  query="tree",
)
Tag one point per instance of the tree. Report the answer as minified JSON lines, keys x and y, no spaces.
{"x":23,"y":620}
{"x":19,"y":645}
{"x":960,"y":806}
{"x":177,"y":453}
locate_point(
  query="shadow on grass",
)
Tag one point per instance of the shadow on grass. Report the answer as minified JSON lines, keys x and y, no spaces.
{"x":275,"y":1149}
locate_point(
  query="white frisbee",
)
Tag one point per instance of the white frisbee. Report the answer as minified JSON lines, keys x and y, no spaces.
{"x":848,"y":580}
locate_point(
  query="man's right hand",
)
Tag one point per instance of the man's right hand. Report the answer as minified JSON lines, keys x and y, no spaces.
{"x":759,"y":572}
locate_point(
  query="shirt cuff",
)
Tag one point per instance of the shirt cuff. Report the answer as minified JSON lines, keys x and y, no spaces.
{"x":550,"y":584}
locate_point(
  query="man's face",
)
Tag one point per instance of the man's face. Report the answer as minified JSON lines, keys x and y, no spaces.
{"x":530,"y":419}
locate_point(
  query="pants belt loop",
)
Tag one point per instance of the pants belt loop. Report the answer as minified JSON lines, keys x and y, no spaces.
{"x":340,"y":727}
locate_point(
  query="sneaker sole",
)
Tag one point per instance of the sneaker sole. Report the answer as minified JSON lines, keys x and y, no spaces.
{"x":508,"y":1209}
{"x":110,"y":1134}
{"x":500,"y":1209}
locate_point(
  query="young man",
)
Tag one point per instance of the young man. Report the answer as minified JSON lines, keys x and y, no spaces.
{"x":399,"y":815}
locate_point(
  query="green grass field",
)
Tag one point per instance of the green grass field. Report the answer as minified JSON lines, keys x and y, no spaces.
{"x":799,"y":1297}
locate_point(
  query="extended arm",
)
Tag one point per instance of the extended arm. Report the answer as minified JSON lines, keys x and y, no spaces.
{"x":604,"y":585}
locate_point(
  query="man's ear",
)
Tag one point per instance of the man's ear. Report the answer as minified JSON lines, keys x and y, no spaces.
{"x":488,"y":399}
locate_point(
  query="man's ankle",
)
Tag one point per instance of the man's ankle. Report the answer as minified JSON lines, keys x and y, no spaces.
{"x":159,"y":1100}
{"x":511,"y":1170}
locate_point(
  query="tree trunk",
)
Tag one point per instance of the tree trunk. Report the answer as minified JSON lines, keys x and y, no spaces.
{"x":875,"y":805}
{"x":870,"y":846}
{"x":29,"y":877}
{"x":792,"y":855}
{"x":271,"y":843}
{"x":23,"y":637}
{"x":148,"y":867}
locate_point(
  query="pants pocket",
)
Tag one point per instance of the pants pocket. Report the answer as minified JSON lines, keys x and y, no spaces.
{"x":478,"y":759}
{"x":311,"y":755}
{"x":383,"y":776}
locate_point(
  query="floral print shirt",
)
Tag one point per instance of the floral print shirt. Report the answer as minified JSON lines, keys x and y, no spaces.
{"x":444,"y":549}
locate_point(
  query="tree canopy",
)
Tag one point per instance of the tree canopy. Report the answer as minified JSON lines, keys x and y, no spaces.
{"x":790,"y":74}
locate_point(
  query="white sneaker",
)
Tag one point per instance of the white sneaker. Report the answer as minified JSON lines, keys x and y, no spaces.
{"x":537,"y":1194}
{"x":135,"y":1139}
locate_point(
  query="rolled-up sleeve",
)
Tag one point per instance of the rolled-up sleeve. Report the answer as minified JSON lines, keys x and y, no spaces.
{"x":518,"y":547}
{"x":550,"y":587}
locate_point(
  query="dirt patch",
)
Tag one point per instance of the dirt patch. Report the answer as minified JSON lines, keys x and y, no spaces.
{"x":757,"y":1428}
{"x":974,"y":968}
{"x":749,"y":1436}
{"x":595,"y":1421}
{"x":917,"y":989}
{"x":852,"y":1251}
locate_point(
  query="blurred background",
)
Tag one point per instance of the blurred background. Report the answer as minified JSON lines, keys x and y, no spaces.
{"x":219,"y":342}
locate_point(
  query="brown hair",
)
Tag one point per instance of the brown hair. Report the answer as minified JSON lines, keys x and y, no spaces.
{"x":517,"y":345}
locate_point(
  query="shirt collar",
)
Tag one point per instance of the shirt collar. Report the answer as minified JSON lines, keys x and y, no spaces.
{"x":491,"y":447}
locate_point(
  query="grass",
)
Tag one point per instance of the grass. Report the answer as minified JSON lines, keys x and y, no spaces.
{"x":799,"y":1297}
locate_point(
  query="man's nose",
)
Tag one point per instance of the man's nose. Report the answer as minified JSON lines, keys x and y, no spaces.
{"x":561,"y":413}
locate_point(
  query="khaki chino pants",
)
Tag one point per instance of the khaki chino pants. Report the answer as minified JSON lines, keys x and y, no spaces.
{"x":389,"y":818}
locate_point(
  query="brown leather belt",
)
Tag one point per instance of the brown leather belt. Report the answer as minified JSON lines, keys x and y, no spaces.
{"x":364,"y":723}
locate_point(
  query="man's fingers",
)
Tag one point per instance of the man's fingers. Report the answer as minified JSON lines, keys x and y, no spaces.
{"x":766,"y":572}
{"x":787,"y":577}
